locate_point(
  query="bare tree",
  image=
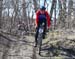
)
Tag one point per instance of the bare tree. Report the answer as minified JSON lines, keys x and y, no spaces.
{"x":70,"y":10}
{"x":35,"y":5}
{"x":24,"y":10}
{"x":52,"y":7}
{"x":1,"y":13}
{"x":53,"y":10}
{"x":73,"y":22}
{"x":62,"y":14}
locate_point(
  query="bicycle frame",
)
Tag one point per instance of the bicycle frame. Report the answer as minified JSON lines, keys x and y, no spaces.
{"x":40,"y":36}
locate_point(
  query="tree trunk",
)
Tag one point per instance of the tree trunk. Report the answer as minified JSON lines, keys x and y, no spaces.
{"x":35,"y":5}
{"x":24,"y":12}
{"x":1,"y":13}
{"x":70,"y":8}
{"x":52,"y":7}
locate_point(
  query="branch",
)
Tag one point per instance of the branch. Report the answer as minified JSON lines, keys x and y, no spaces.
{"x":4,"y":36}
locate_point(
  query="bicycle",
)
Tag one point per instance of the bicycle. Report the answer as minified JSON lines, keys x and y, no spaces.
{"x":40,"y":36}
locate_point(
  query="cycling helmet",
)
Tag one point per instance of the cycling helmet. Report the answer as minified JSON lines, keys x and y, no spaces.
{"x":43,"y":8}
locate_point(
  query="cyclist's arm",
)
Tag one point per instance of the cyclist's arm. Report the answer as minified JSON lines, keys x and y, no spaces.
{"x":36,"y":21}
{"x":48,"y":19}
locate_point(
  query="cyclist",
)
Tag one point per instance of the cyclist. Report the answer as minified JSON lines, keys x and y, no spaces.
{"x":42,"y":16}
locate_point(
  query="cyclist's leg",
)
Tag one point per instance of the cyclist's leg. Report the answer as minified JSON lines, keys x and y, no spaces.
{"x":36,"y":36}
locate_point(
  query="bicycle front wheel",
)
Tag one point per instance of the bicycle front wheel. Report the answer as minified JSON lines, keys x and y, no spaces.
{"x":39,"y":44}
